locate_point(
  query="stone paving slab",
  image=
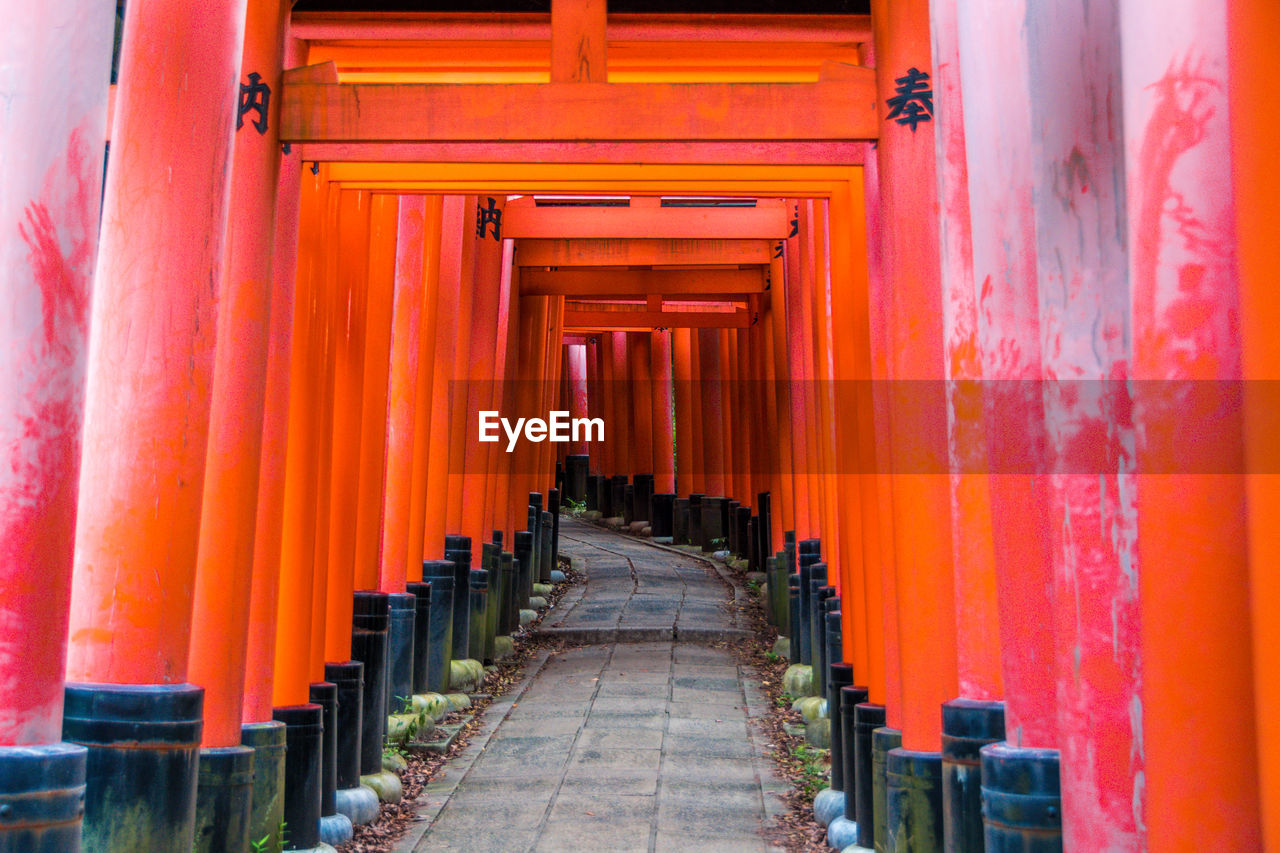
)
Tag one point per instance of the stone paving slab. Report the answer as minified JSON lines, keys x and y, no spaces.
{"x":638,"y":741}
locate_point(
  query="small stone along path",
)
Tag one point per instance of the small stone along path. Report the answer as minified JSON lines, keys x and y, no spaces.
{"x":634,"y":737}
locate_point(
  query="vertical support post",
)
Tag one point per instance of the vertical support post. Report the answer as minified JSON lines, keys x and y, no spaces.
{"x":641,"y":390}
{"x":687,"y":469}
{"x":1253,"y":27}
{"x":151,"y":354}
{"x":660,"y":372}
{"x":712,"y":410}
{"x":49,"y":205}
{"x":430,"y":270}
{"x":578,"y":41}
{"x":1192,"y":545}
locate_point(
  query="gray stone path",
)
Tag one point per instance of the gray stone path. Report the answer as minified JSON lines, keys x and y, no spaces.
{"x":638,"y":742}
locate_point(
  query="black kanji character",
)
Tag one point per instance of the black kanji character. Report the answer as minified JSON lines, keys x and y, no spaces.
{"x":914,"y":101}
{"x":254,"y":96}
{"x":486,"y":216}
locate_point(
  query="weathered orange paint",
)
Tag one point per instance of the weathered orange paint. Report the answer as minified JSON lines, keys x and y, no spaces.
{"x":578,"y":51}
{"x":622,"y":407}
{"x":1253,"y":27}
{"x":49,"y":204}
{"x":766,"y":221}
{"x":576,"y":361}
{"x":463,"y":281}
{"x":151,"y":342}
{"x":228,"y":518}
{"x":780,"y":390}
{"x":595,"y":403}
{"x":682,"y":368}
{"x":1193,"y":575}
{"x":711,"y":388}
{"x":973,"y":551}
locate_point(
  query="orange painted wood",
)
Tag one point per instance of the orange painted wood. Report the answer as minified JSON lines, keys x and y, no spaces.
{"x":576,"y":359}
{"x":384,"y":215}
{"x":454,"y":218}
{"x":799,"y":341}
{"x":710,"y":388}
{"x":429,"y":264}
{"x":578,"y":51}
{"x":687,"y":473}
{"x":351,"y":292}
{"x":771,"y":153}
{"x":576,"y":318}
{"x":318,"y":112}
{"x":660,"y":372}
{"x":640,"y":252}
{"x":482,"y":379}
{"x":506,"y":358}
{"x":608,"y":397}
{"x":1252,"y":28}
{"x":402,"y":388}
{"x":780,"y":390}
{"x":463,"y":282}
{"x":973,"y":542}
{"x":293,"y":620}
{"x":1193,"y":551}
{"x":228,"y":518}
{"x":505,"y":27}
{"x":49,"y":213}
{"x":623,"y":416}
{"x":729,"y":423}
{"x":712,"y":284}
{"x":260,"y":655}
{"x":595,"y":401}
{"x":639,"y":354}
{"x":151,"y":344}
{"x":766,"y":221}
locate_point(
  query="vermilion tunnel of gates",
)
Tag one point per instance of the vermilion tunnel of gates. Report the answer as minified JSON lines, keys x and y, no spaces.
{"x":965,"y":303}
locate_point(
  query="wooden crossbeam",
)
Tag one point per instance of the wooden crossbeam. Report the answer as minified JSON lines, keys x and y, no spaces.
{"x":625,"y":253}
{"x":604,"y":321}
{"x":768,"y":220}
{"x":591,"y":112}
{"x":723,"y":284}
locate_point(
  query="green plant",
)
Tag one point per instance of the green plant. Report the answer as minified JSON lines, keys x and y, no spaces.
{"x":753,"y":587}
{"x":264,"y":843}
{"x":572,"y":507}
{"x":811,"y":765}
{"x":772,"y":657}
{"x":719,"y":542}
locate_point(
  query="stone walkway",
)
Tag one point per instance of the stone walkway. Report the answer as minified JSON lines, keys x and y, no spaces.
{"x":637,"y":741}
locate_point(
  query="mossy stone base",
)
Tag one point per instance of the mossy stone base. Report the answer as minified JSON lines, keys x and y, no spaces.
{"x":827,"y":805}
{"x":504,"y":648}
{"x":386,"y":785}
{"x":798,"y":680}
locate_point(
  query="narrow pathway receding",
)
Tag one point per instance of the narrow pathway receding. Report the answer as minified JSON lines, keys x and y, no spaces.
{"x":638,"y":740}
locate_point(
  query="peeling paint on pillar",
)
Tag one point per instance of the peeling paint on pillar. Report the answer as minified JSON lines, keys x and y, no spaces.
{"x":49,"y":200}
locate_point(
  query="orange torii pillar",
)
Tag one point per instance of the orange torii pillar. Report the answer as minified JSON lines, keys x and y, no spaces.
{"x":146,"y":422}
{"x":1253,"y":26}
{"x":623,"y":417}
{"x":994,"y":81}
{"x":49,"y":205}
{"x":551,"y":391}
{"x":423,"y":261}
{"x":660,"y":372}
{"x":454,"y":221}
{"x":726,"y":340}
{"x":577,"y":460}
{"x":640,"y":388}
{"x":595,"y":409}
{"x":981,"y":686}
{"x":228,"y":520}
{"x":384,"y":215}
{"x":920,"y":499}
{"x":259,"y":729}
{"x":711,"y":405}
{"x":462,"y":280}
{"x":801,"y":385}
{"x":505,"y":359}
{"x":780,"y":390}
{"x":684,"y":365}
{"x":1201,"y":770}
{"x":482,"y":371}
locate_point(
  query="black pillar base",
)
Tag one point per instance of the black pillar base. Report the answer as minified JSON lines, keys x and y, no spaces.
{"x":439,"y":573}
{"x":42,"y":798}
{"x":967,"y":726}
{"x":421,"y":593}
{"x":1021,"y":799}
{"x":575,"y":476}
{"x":224,"y":800}
{"x":267,"y":742}
{"x":400,"y":630}
{"x":304,"y":727}
{"x":369,"y":646}
{"x":913,"y":801}
{"x":883,"y":740}
{"x":143,"y":763}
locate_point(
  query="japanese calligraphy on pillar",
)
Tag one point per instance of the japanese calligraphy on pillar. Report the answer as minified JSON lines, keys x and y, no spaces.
{"x":255,"y":96}
{"x":914,"y":101}
{"x":489,"y":216}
